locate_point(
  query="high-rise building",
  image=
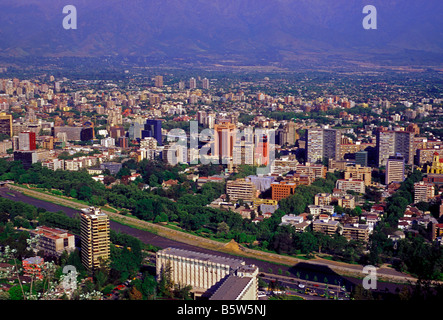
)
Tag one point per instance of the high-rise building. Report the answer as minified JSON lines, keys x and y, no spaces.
{"x":27,"y":141}
{"x":331,"y":143}
{"x":6,"y":124}
{"x":391,"y":143}
{"x":321,"y":144}
{"x":314,"y":145}
{"x":205,"y":84}
{"x":153,"y":128}
{"x":395,"y":169}
{"x":192,"y":83}
{"x":158,"y":81}
{"x":361,"y":158}
{"x":224,"y":138}
{"x":287,"y":134}
{"x":135,"y":130}
{"x":95,"y":239}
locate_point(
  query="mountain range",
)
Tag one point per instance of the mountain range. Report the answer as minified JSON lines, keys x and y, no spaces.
{"x":238,"y":32}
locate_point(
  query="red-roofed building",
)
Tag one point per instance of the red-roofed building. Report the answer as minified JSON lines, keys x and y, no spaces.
{"x":53,"y":241}
{"x":33,"y":267}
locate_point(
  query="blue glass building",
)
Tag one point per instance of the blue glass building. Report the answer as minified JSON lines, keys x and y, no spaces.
{"x":153,"y":128}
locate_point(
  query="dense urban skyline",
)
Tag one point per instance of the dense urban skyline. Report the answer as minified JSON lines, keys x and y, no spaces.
{"x":237,"y":151}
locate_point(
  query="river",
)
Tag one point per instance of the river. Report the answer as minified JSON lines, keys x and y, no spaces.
{"x":305,"y":270}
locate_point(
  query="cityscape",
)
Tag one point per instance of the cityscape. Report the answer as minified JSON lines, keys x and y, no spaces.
{"x":195,"y":180}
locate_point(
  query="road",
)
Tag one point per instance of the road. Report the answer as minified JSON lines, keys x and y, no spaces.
{"x":164,"y":237}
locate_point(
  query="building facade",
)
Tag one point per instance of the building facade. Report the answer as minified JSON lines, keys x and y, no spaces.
{"x":95,"y":238}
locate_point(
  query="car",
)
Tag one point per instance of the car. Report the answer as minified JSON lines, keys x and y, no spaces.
{"x":301,"y":285}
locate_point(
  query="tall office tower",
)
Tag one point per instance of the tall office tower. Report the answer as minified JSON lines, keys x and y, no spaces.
{"x":181,"y":85}
{"x":291,"y":133}
{"x":192,"y":83}
{"x":331,"y":143}
{"x":135,"y":130}
{"x":404,"y":145}
{"x":224,"y":138}
{"x":390,"y":143}
{"x":314,"y":145}
{"x":361,"y":158}
{"x":287,"y":134}
{"x":205,"y":84}
{"x":158,"y":81}
{"x":153,"y":128}
{"x":6,"y":124}
{"x":27,"y":141}
{"x":322,"y":143}
{"x":395,"y":169}
{"x":95,"y":239}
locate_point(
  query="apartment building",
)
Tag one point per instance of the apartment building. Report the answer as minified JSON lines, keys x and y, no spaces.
{"x":95,"y":238}
{"x":358,"y":172}
{"x":395,"y":169}
{"x":53,"y":241}
{"x":326,"y":226}
{"x":357,"y":186}
{"x":423,"y":191}
{"x":241,"y":189}
{"x":321,"y":199}
{"x":357,"y":232}
{"x":316,"y":210}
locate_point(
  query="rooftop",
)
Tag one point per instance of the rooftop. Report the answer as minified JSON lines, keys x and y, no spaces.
{"x":231,"y":288}
{"x":233,"y":263}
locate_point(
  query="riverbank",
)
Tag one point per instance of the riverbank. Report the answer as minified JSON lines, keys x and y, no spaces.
{"x":231,"y":248}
